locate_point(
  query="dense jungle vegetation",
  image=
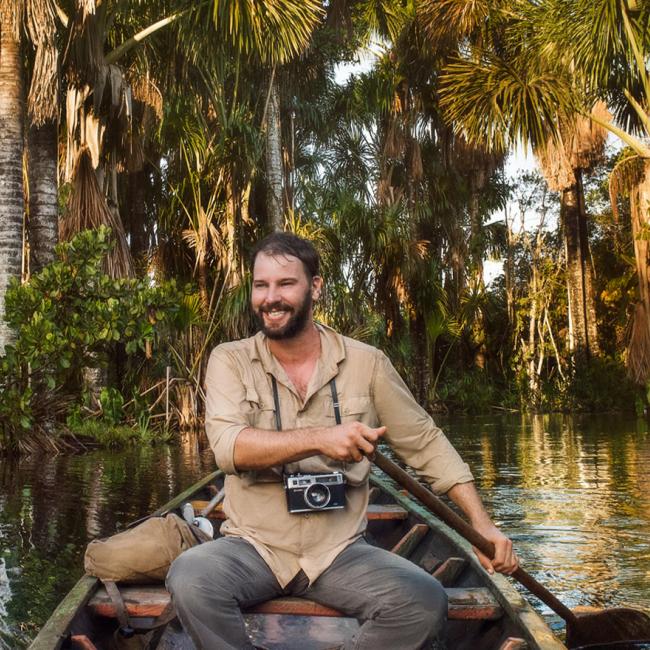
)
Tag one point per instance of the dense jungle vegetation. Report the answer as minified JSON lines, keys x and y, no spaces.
{"x":146,"y":145}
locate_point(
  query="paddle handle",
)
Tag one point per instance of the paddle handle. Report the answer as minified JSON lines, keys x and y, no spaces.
{"x":444,"y":512}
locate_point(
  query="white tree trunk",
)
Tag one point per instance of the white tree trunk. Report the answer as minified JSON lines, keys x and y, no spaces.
{"x":274,"y":158}
{"x":12,"y":113}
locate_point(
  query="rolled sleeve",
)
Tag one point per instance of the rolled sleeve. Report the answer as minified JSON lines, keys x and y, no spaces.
{"x":413,"y":434}
{"x":225,"y":406}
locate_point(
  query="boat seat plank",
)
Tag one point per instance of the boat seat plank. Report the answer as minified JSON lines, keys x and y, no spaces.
{"x":375,"y":512}
{"x":411,"y":539}
{"x":150,"y":600}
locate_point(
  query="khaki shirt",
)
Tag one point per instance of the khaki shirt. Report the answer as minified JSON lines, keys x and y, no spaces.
{"x":239,"y":395}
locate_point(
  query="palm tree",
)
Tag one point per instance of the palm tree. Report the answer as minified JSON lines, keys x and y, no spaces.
{"x":607,"y":43}
{"x":497,"y":91}
{"x":12,"y":113}
{"x":42,"y":138}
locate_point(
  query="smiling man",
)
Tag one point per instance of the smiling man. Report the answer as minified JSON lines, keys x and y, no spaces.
{"x":292,"y":416}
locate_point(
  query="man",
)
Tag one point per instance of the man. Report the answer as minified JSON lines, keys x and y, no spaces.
{"x":271,"y":412}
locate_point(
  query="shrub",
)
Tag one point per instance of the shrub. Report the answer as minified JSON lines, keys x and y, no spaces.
{"x":68,"y":317}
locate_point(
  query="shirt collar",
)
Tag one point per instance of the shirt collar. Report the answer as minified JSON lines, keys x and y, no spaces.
{"x":332,"y":351}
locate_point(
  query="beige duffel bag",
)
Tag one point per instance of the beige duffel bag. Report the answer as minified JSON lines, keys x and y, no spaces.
{"x":143,"y":553}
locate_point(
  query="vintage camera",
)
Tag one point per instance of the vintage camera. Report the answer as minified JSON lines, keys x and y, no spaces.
{"x":314,"y":492}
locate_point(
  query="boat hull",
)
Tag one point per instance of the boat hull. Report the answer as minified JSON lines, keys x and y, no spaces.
{"x":485,"y":612}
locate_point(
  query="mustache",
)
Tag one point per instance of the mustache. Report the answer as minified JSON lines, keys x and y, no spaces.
{"x":278,"y":304}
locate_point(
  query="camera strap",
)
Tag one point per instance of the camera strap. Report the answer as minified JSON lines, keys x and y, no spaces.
{"x":276,"y":403}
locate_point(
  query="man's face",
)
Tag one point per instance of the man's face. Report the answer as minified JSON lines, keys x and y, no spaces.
{"x":282,"y":295}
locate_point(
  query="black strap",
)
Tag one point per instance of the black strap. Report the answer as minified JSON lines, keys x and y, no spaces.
{"x":276,"y":400}
{"x":335,"y":402}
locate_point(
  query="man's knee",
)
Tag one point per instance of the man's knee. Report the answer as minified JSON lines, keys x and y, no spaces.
{"x":428,"y":604}
{"x":186,"y":576}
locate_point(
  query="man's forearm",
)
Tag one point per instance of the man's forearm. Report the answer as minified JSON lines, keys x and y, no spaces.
{"x":465,"y":496}
{"x":505,"y":559}
{"x":260,"y":449}
{"x":349,"y":442}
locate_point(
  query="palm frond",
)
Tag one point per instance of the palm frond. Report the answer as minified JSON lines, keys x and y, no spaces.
{"x":87,"y":209}
{"x":42,"y":100}
{"x":626,"y":174}
{"x":275,"y":32}
{"x":497,"y":103}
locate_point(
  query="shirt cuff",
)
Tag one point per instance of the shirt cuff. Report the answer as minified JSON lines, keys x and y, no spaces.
{"x":223,"y":447}
{"x":442,"y":486}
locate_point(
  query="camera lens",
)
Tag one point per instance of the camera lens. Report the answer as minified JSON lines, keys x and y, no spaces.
{"x":317,"y":496}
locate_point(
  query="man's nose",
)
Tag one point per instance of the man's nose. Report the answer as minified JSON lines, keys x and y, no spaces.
{"x":272,"y":294}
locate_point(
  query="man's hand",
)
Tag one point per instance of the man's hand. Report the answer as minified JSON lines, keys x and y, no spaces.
{"x":505,"y":559}
{"x":350,"y":442}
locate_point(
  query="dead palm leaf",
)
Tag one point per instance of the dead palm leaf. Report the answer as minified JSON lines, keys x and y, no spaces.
{"x":87,"y":208}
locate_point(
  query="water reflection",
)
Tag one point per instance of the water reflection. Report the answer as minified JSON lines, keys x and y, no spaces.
{"x":573,"y":492}
{"x":51,"y":506}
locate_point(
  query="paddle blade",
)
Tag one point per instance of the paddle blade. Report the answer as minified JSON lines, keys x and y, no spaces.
{"x":607,"y":626}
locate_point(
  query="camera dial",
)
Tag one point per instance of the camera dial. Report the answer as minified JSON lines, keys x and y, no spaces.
{"x":317,"y":496}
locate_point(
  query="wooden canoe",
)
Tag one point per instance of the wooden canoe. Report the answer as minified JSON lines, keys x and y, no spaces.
{"x":485,"y":612}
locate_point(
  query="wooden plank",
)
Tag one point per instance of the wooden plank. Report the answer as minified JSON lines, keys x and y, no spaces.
{"x":295,"y":607}
{"x":449,"y":570}
{"x":375,"y":512}
{"x":82,"y":642}
{"x":140,"y":601}
{"x":150,"y":601}
{"x":409,"y":542}
{"x":473,"y":603}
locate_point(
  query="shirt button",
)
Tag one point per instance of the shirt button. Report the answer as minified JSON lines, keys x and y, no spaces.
{"x":306,"y":515}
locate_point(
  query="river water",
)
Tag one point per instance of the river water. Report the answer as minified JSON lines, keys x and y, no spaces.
{"x":572,"y":492}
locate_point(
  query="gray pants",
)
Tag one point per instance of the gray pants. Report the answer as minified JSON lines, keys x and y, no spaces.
{"x":401,"y":605}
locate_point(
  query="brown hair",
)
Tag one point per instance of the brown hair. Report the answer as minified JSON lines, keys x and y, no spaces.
{"x":286,"y":243}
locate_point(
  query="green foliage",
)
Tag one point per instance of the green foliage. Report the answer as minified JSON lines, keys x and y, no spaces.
{"x":598,"y":386}
{"x":71,"y":316}
{"x":97,"y":431}
{"x":470,"y":391}
{"x":112,"y":403}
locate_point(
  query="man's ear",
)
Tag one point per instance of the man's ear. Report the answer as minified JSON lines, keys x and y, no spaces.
{"x":316,"y":287}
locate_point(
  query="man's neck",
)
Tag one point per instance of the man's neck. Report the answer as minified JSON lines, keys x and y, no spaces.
{"x":298,"y":349}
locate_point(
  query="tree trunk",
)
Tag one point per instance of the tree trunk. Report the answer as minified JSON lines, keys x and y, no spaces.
{"x":588,"y":269}
{"x":583,"y":337}
{"x":136,"y":216}
{"x":43,"y":195}
{"x":12,"y":113}
{"x":274,"y":171}
{"x":422,"y":360}
{"x":638,"y":352}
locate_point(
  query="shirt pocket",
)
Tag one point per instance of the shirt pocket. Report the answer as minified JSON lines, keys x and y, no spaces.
{"x":354,"y":408}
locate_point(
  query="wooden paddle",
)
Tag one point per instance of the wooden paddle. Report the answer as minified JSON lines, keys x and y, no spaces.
{"x":583,"y":629}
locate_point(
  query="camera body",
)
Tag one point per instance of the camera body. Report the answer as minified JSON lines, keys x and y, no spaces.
{"x":314,"y":492}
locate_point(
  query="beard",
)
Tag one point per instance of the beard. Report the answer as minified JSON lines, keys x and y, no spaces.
{"x":298,"y":319}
